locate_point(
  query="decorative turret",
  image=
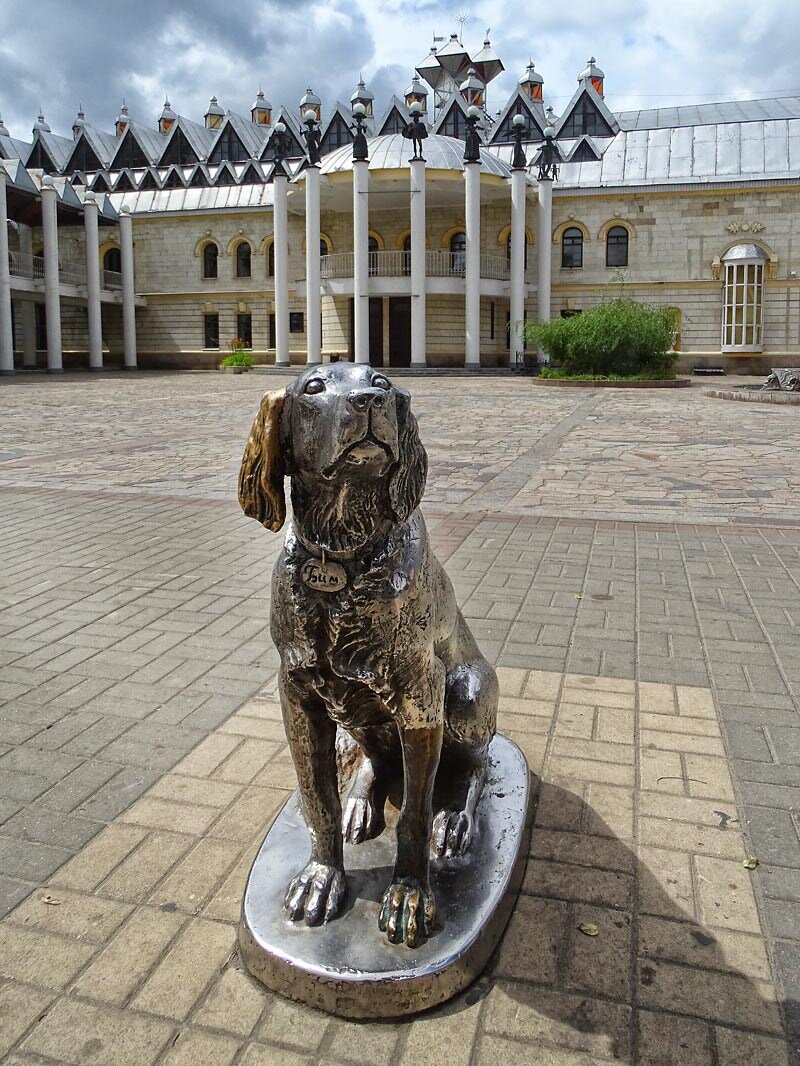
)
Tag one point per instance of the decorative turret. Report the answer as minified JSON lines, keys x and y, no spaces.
{"x":79,"y":123}
{"x":416,"y":93}
{"x":167,"y":119}
{"x":472,"y":88}
{"x":531,"y":83}
{"x":362,"y":95}
{"x":40,"y":124}
{"x":487,"y":65}
{"x":261,"y":111}
{"x":592,"y":75}
{"x":311,"y":102}
{"x":123,"y":120}
{"x":214,"y":115}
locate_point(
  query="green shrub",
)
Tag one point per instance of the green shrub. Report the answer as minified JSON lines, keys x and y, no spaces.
{"x":616,"y":339}
{"x":239,"y":356}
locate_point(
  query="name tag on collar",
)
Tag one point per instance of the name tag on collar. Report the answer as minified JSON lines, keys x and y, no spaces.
{"x":324,"y":576}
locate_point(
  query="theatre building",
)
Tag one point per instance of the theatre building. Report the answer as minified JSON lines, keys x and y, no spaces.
{"x":157,"y":245}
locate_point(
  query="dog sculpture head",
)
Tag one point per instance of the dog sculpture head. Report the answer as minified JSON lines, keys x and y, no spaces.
{"x":346,"y":437}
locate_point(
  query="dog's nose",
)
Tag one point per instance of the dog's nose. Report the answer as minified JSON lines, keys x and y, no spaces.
{"x":367,"y":399}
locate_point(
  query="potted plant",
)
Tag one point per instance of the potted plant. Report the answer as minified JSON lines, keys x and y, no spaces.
{"x":238,"y":360}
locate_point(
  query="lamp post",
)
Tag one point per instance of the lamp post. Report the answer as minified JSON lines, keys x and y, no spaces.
{"x":519,"y":165}
{"x":547,"y":174}
{"x":313,"y":299}
{"x":281,"y":239}
{"x":360,"y":236}
{"x":416,"y":132}
{"x":472,"y":257}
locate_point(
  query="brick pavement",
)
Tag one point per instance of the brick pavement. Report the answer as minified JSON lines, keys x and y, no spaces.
{"x":133,"y":623}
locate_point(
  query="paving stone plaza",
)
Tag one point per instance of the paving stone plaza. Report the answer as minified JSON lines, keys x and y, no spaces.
{"x":629,"y":560}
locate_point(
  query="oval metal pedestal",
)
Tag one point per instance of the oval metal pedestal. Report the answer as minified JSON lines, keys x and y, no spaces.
{"x":348,"y":967}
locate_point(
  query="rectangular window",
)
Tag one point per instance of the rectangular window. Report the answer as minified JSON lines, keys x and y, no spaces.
{"x":244,"y":329}
{"x":272,"y":331}
{"x":41,"y":327}
{"x":491,"y":320}
{"x":211,"y":331}
{"x":508,"y":331}
{"x":295,"y":321}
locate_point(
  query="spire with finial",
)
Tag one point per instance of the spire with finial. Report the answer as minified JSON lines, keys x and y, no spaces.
{"x":214,"y":115}
{"x":531,"y":83}
{"x":123,"y":120}
{"x":167,"y":118}
{"x":261,"y":111}
{"x":592,"y":75}
{"x":362,"y":95}
{"x":79,"y":123}
{"x":310,"y":102}
{"x":40,"y":123}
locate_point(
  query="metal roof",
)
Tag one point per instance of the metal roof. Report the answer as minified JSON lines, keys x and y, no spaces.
{"x":392,"y":151}
{"x":213,"y":199}
{"x":681,"y":154}
{"x":709,"y":114}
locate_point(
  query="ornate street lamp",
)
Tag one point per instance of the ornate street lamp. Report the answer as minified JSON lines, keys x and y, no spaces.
{"x":549,"y":158}
{"x":518,"y":160}
{"x":311,"y":136}
{"x":472,"y":139}
{"x":280,"y":147}
{"x":360,"y":150}
{"x":416,"y":130}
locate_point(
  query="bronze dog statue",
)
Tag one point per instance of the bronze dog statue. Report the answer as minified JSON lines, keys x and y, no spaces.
{"x":370,"y":637}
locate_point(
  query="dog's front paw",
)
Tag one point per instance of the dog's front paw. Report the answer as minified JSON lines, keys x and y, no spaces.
{"x":408,"y":911}
{"x":451,"y":833}
{"x":317,"y":894}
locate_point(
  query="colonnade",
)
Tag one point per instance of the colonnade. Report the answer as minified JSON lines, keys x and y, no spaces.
{"x":361,"y":295}
{"x":52,"y":282}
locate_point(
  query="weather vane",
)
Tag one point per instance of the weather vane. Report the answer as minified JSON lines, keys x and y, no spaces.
{"x":462,"y":20}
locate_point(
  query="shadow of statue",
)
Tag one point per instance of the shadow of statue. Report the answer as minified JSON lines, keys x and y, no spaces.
{"x":605,"y":959}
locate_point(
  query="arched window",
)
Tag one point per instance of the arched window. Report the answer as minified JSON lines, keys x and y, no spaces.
{"x":210,"y":260}
{"x":243,"y":265}
{"x":743,"y":298}
{"x":617,"y":247}
{"x":271,"y":260}
{"x":324,"y":248}
{"x":572,"y":248}
{"x":407,"y":243}
{"x":508,"y":249}
{"x":407,"y":254}
{"x":112,"y":260}
{"x":458,"y":251}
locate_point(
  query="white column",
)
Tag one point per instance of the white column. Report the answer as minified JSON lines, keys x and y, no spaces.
{"x":517,"y":287}
{"x":52,"y":298}
{"x":418,"y":225}
{"x":90,"y":227}
{"x":313,"y":300}
{"x":472,"y":190}
{"x":27,"y":308}
{"x":544,"y":240}
{"x":6,"y":330}
{"x":281,"y":238}
{"x":361,"y":259}
{"x":128,"y":290}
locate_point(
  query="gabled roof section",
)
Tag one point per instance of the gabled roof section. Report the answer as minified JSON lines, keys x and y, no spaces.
{"x":587,"y":112}
{"x":126,"y":182}
{"x":585,"y":150}
{"x":49,"y":146}
{"x":394,"y":119}
{"x":149,"y":180}
{"x":296,"y":145}
{"x":174,"y":179}
{"x":94,"y":149}
{"x":452,"y":120}
{"x":199,"y":179}
{"x":225,"y":175}
{"x":519,"y":103}
{"x":139,"y":147}
{"x":336,"y":130}
{"x":179,"y":149}
{"x":100,"y":183}
{"x":238,"y":140}
{"x":252,"y":174}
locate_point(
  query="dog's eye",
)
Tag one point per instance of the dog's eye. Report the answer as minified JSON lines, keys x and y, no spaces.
{"x":381,"y":383}
{"x":315,"y":385}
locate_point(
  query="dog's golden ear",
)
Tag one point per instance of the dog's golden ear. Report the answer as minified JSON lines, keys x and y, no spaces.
{"x":263,"y":468}
{"x":407,"y":480}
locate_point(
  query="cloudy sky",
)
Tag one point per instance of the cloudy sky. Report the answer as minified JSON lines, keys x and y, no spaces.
{"x":57,"y":53}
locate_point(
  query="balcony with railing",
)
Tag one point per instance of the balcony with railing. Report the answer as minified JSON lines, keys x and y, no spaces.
{"x":70,"y":272}
{"x":396,"y":264}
